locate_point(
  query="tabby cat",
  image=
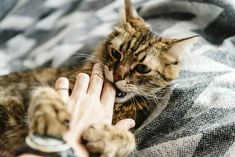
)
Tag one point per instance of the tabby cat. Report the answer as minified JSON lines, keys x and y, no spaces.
{"x":138,"y":63}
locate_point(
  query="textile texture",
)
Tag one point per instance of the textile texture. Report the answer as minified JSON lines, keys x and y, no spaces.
{"x":196,"y":117}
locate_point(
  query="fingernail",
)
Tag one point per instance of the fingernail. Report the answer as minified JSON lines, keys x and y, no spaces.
{"x":62,"y":82}
{"x":131,"y":123}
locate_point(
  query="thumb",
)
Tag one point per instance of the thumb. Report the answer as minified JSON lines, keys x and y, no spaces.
{"x":126,"y":124}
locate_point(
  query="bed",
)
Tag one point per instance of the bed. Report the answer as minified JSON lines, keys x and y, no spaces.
{"x":195,"y":117}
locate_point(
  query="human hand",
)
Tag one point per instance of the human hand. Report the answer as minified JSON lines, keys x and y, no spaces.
{"x":91,"y":102}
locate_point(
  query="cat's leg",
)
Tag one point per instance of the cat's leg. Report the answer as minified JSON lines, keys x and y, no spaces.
{"x":109,"y":141}
{"x":13,"y":128}
{"x":47,"y":113}
{"x":12,"y":112}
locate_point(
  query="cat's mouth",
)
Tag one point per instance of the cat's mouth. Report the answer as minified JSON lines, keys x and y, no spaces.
{"x":121,"y":96}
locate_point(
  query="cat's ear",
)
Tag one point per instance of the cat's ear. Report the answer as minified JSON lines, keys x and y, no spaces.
{"x":179,"y":46}
{"x":130,"y":15}
{"x":129,"y":12}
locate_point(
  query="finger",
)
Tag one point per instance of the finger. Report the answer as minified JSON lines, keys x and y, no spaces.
{"x":79,"y":91}
{"x":107,"y":100}
{"x":81,"y":85}
{"x":96,"y":82}
{"x":62,"y":87}
{"x":29,"y":155}
{"x":126,"y":124}
{"x":108,"y":95}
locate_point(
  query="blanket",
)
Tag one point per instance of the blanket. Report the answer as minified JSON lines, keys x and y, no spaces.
{"x":196,"y":116}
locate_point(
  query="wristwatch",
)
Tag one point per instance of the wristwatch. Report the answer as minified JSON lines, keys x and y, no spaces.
{"x":45,"y":146}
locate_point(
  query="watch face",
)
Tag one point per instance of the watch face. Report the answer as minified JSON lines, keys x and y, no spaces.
{"x":46,"y":144}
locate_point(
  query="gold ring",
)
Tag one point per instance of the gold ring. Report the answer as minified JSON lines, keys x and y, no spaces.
{"x":61,"y":89}
{"x":99,"y":75}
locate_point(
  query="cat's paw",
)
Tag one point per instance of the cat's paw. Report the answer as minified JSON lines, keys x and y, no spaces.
{"x":48,"y":114}
{"x":108,"y":141}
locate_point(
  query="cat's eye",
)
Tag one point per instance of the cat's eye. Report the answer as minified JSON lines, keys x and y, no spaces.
{"x":143,"y":69}
{"x":116,"y":54}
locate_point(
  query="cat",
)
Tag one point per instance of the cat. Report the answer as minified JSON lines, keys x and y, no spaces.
{"x":135,"y":60}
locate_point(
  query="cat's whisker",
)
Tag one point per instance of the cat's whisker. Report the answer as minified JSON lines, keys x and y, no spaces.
{"x":150,"y":96}
{"x":90,"y":57}
{"x":145,"y":102}
{"x":137,"y":103}
{"x":156,"y":101}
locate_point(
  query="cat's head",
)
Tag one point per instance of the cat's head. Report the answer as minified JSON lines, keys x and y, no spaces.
{"x":137,"y":61}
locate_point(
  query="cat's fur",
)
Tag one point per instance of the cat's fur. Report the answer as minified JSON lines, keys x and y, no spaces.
{"x":137,"y":61}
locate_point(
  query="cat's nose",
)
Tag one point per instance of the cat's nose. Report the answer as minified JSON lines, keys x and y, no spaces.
{"x":120,"y":72}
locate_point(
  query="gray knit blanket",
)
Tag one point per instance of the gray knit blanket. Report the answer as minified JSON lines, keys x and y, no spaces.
{"x":196,"y":117}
